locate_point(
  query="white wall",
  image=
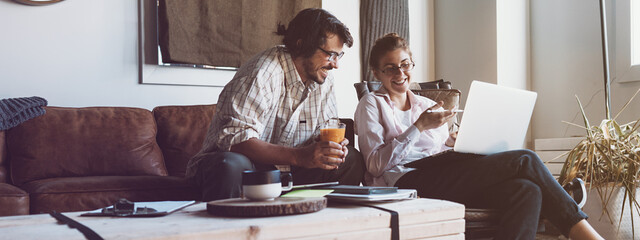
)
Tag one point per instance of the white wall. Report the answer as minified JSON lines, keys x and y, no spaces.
{"x":465,"y":40}
{"x":512,"y":42}
{"x":349,"y":69}
{"x":85,"y":53}
{"x":566,"y":60}
{"x":565,"y":57}
{"x":421,"y":39}
{"x":81,"y":53}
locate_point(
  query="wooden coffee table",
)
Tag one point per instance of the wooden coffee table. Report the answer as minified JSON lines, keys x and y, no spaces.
{"x":418,"y":218}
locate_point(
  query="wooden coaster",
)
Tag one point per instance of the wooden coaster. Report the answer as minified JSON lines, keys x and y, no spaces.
{"x":240,"y":207}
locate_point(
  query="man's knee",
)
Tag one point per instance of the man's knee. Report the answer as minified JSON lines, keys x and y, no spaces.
{"x":219,"y":174}
{"x":235,"y":162}
{"x":224,"y":162}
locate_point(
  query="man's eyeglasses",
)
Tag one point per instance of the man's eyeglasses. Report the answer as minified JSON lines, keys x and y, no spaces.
{"x":333,"y":56}
{"x":405,"y":67}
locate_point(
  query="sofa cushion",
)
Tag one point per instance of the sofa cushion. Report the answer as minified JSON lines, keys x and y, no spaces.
{"x":181,"y":131}
{"x":3,"y":158}
{"x":93,"y":141}
{"x":13,"y":201}
{"x":89,"y":193}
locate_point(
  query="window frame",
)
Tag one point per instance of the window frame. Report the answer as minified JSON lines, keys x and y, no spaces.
{"x":624,"y":71}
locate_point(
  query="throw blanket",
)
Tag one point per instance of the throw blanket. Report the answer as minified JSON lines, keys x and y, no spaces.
{"x":14,"y":111}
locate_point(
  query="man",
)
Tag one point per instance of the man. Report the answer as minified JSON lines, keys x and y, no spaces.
{"x":269,"y":113}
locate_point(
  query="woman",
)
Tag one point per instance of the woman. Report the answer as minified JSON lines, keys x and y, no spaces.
{"x":396,"y":127}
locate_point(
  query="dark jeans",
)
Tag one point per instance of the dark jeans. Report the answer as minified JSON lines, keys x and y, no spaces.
{"x":219,"y":174}
{"x":515,"y":182}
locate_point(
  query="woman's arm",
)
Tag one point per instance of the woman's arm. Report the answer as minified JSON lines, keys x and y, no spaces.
{"x":374,"y":122}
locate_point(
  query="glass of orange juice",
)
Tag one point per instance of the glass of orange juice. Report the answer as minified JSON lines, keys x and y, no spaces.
{"x":332,"y":130}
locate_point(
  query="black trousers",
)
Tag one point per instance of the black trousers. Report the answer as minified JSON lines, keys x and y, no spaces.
{"x":515,"y":182}
{"x":219,"y":174}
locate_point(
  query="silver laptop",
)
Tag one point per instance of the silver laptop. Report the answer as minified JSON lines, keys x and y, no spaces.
{"x":495,"y":119}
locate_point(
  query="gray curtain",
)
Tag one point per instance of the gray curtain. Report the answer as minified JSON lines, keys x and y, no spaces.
{"x":379,"y":17}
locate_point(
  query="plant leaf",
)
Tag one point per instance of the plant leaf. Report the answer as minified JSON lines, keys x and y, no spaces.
{"x":627,"y":104}
{"x":584,"y":116}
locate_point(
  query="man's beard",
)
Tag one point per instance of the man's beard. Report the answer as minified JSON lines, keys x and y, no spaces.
{"x":312,"y":73}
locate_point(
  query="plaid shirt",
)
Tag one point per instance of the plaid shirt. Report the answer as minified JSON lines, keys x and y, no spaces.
{"x":267,"y":100}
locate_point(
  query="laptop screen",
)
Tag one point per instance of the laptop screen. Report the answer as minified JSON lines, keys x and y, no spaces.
{"x":495,"y":119}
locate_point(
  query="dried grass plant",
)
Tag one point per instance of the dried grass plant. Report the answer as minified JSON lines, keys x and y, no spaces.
{"x":608,"y":158}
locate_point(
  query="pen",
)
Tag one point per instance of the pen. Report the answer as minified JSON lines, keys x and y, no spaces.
{"x":442,"y":110}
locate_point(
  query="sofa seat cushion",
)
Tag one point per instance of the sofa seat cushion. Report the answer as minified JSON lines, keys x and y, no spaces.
{"x":89,"y":193}
{"x":78,"y":142}
{"x":13,"y":201}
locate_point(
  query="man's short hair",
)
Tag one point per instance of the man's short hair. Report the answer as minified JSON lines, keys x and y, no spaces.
{"x":308,"y":30}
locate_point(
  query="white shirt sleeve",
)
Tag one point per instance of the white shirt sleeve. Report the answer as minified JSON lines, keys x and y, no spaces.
{"x":380,"y":154}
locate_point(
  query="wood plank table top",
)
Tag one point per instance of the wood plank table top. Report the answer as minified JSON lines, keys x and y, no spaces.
{"x":419,"y":219}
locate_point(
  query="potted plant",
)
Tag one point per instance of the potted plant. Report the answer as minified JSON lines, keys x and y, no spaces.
{"x":608,"y":159}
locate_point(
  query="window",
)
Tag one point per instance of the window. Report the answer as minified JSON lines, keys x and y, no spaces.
{"x":626,"y":42}
{"x":635,"y":32}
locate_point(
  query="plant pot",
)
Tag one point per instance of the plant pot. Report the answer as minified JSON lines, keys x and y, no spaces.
{"x":600,"y":221}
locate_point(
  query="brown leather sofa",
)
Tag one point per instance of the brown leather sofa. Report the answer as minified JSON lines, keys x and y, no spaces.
{"x":76,"y":159}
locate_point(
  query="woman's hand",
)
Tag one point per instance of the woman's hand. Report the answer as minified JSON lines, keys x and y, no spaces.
{"x":429,"y":120}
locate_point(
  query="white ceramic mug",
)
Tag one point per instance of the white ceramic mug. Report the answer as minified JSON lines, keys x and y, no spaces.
{"x":264,"y":185}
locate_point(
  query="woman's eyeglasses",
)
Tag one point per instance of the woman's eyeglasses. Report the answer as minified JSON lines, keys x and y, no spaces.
{"x":333,"y":56}
{"x":405,"y":67}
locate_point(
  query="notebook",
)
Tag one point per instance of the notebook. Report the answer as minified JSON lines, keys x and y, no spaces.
{"x":495,"y":119}
{"x":364,"y":190}
{"x":400,"y":194}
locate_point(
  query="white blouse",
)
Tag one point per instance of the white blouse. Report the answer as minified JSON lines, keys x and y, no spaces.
{"x":388,"y":139}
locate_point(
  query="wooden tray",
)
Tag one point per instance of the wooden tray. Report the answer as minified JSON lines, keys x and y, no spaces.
{"x":240,"y":207}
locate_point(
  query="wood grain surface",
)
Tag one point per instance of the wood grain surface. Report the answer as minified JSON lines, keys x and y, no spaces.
{"x":240,"y":207}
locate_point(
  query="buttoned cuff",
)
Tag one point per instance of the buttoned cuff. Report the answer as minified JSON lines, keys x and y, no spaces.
{"x":412,"y":133}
